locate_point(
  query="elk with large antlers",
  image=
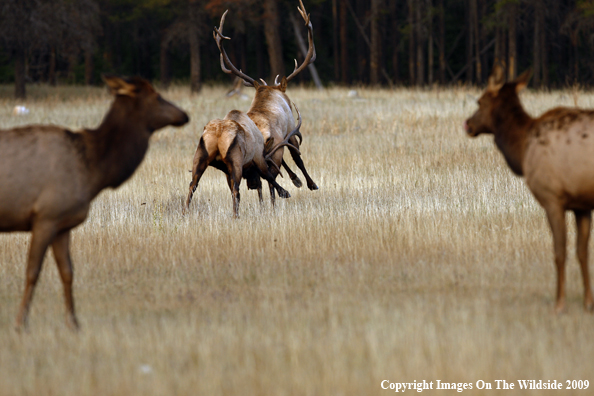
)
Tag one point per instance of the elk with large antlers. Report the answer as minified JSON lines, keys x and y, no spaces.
{"x":271,"y":108}
{"x":231,"y":145}
{"x":555,"y":154}
{"x":49,"y":175}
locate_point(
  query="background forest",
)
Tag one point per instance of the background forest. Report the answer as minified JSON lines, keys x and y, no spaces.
{"x":369,"y":42}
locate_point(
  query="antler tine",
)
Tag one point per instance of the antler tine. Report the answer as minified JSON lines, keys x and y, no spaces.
{"x":311,"y":52}
{"x":226,"y":64}
{"x":263,"y":82}
{"x":276,"y":80}
{"x":285,"y":142}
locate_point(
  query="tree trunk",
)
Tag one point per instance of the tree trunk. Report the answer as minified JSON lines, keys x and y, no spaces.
{"x":539,"y":43}
{"x":194,"y":41}
{"x":411,"y":42}
{"x":164,"y":64}
{"x":89,"y":67}
{"x":420,"y":41}
{"x":52,"y":67}
{"x":469,"y":42}
{"x":375,"y":44}
{"x":395,"y":44}
{"x":512,"y":63}
{"x":344,"y":44}
{"x":442,"y":60}
{"x":430,"y":42}
{"x":362,"y":50}
{"x":477,"y":43}
{"x":273,"y":42}
{"x":72,"y":64}
{"x":19,"y":74}
{"x":335,"y":46}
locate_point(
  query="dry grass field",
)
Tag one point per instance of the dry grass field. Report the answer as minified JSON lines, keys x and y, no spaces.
{"x":421,"y":257}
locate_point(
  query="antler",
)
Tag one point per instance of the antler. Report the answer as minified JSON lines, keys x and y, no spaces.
{"x":226,"y":64}
{"x":285,"y":142}
{"x":311,"y":52}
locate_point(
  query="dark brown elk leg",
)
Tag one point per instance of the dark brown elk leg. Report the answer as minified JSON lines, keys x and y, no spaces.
{"x":265,"y":173}
{"x":583,"y":221}
{"x":272,"y":195}
{"x":556,"y":216}
{"x":235,"y":178}
{"x":40,"y":240}
{"x":61,"y":248}
{"x":201,"y":161}
{"x":294,"y":178}
{"x":299,"y":162}
{"x":260,"y":198}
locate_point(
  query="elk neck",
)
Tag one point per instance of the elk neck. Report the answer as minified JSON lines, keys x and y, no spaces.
{"x":116,"y":148}
{"x":511,"y":128}
{"x":270,"y":103}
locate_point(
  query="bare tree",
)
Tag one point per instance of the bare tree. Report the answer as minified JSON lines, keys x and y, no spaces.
{"x":272,"y":33}
{"x":374,"y":66}
{"x":21,"y":27}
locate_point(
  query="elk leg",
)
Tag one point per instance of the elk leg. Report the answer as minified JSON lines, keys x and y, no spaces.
{"x":260,"y":198}
{"x":299,"y":162}
{"x":61,"y":248}
{"x":272,"y":195}
{"x":235,"y":168}
{"x":294,"y":178}
{"x":201,"y":161}
{"x":40,"y":240}
{"x":272,"y":184}
{"x":556,"y":217}
{"x":583,"y":221}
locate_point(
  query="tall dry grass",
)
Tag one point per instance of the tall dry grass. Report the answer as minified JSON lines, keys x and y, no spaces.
{"x":420,"y":257}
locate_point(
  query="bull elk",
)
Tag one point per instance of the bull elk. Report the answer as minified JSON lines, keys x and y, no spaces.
{"x":232,"y":145}
{"x":49,"y":175}
{"x":555,"y":155}
{"x":271,"y":108}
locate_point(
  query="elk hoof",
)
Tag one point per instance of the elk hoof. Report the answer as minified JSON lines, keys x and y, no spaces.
{"x":284,"y":194}
{"x":297,"y":181}
{"x":312,"y":186}
{"x":560,"y":308}
{"x":72,"y":323}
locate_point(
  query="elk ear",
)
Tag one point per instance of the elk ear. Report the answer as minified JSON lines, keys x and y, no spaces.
{"x":522,"y":80}
{"x":118,"y":86}
{"x":283,"y":84}
{"x":256,"y":84}
{"x":496,"y":79}
{"x":268,"y":145}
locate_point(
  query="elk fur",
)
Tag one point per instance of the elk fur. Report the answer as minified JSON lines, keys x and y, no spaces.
{"x":233,"y":144}
{"x":555,"y":155}
{"x":49,"y":175}
{"x":271,"y":108}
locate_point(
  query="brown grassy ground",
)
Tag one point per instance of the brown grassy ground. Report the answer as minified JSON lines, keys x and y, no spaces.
{"x":420,"y":257}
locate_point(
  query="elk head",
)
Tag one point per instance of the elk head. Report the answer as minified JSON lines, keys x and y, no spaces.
{"x":144,"y":103}
{"x":499,"y":100}
{"x":229,"y":68}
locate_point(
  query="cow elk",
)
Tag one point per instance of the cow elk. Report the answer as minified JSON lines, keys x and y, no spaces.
{"x":555,"y":155}
{"x":271,"y":108}
{"x":49,"y":175}
{"x":232,"y":145}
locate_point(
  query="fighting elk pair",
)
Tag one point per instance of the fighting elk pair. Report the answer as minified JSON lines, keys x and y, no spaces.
{"x":49,"y":175}
{"x":555,"y":154}
{"x":235,"y":145}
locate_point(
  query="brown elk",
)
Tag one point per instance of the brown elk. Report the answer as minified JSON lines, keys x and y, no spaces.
{"x":555,"y":155}
{"x":271,"y":108}
{"x":49,"y":175}
{"x":231,"y":145}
